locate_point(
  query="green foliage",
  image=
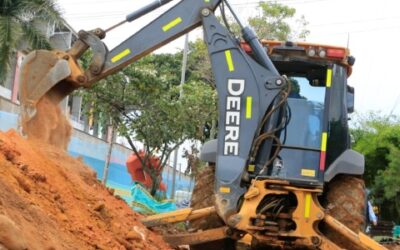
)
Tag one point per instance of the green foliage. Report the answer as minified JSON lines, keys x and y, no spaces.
{"x":146,"y":103}
{"x":19,"y":20}
{"x":199,"y":69}
{"x":274,"y":22}
{"x":199,"y":65}
{"x":194,"y":164}
{"x":378,"y":138}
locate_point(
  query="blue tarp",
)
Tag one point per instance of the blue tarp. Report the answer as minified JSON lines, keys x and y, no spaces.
{"x":396,"y":231}
{"x":144,"y":203}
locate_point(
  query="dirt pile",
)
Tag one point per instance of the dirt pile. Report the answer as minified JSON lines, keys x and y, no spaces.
{"x":49,"y":200}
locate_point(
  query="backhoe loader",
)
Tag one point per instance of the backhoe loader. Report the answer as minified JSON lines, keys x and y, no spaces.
{"x":284,"y":174}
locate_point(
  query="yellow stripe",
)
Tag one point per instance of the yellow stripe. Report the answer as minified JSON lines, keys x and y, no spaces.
{"x":224,"y":189}
{"x":308,"y":172}
{"x":251,"y":168}
{"x":229,"y":60}
{"x":249,"y":106}
{"x":120,"y":55}
{"x":324,"y":141}
{"x":172,"y":24}
{"x":329,"y":78}
{"x":307,"y":208}
{"x":207,"y":1}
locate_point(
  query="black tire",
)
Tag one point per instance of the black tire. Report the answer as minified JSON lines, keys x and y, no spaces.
{"x":203,"y":196}
{"x":345,"y":201}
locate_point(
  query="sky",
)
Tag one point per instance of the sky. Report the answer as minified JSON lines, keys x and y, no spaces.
{"x":371,"y":29}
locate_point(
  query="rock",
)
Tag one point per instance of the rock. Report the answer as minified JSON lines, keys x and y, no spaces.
{"x":124,"y":243}
{"x":24,"y":167}
{"x":99,"y":246}
{"x":2,"y":247}
{"x":23,"y":184}
{"x":38,"y":177}
{"x":111,"y":191}
{"x":10,"y":236}
{"x":8,"y":152}
{"x":99,"y":207}
{"x":138,"y":245}
{"x":52,"y":190}
{"x":63,"y":217}
{"x":57,"y":197}
{"x":133,"y":235}
{"x":136,"y":234}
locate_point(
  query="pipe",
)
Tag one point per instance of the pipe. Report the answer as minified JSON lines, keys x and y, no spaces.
{"x":146,"y":9}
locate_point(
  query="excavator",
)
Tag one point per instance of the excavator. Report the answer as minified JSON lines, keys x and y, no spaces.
{"x":283,"y":172}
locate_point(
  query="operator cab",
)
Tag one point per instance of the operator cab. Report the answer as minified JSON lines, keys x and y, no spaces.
{"x":316,"y":131}
{"x":317,"y":109}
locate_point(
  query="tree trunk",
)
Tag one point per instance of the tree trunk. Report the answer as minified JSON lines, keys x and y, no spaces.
{"x":155,"y":182}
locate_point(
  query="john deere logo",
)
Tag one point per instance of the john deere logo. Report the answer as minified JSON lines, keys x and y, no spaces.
{"x":232,"y":117}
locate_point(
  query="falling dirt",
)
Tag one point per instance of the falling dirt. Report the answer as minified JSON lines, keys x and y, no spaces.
{"x":49,"y":125}
{"x":49,"y":200}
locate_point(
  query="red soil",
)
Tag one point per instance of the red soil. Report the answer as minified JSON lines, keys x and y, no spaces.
{"x":49,"y":200}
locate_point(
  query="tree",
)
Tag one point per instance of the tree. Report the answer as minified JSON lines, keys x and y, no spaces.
{"x":18,"y":24}
{"x":199,"y":68}
{"x":199,"y":65}
{"x":378,"y":138}
{"x":273,"y":22}
{"x":146,"y":103}
{"x":194,"y":164}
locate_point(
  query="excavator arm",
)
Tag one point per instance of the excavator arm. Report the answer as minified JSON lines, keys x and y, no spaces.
{"x":247,"y":86}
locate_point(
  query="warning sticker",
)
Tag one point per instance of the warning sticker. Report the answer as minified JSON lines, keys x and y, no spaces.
{"x":308,"y":172}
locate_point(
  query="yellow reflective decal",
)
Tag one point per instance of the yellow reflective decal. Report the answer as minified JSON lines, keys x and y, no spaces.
{"x":225,"y":189}
{"x":329,"y":78}
{"x":251,"y":168}
{"x":206,"y":1}
{"x":307,"y":207}
{"x":229,"y":61}
{"x":324,"y":141}
{"x":172,"y":24}
{"x":249,"y":106}
{"x":308,"y":172}
{"x":120,"y":55}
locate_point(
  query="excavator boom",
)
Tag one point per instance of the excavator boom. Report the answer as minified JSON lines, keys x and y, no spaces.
{"x":43,"y":71}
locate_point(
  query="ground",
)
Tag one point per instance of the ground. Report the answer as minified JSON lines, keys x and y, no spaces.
{"x":49,"y":200}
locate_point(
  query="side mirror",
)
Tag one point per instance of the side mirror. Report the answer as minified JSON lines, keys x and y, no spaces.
{"x":350,"y":99}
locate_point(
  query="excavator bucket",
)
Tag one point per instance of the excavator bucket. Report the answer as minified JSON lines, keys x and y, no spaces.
{"x":46,"y":78}
{"x":43,"y":73}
